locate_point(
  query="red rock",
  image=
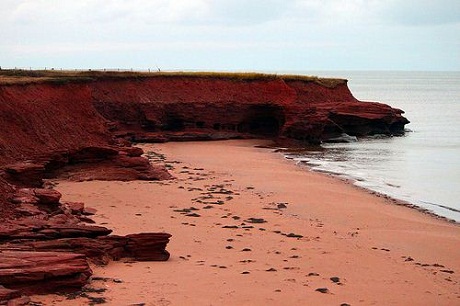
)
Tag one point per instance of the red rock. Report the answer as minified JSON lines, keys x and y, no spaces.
{"x":74,"y":130}
{"x":45,"y":231}
{"x":141,"y":247}
{"x":88,"y":211}
{"x":148,"y":246}
{"x":40,"y":272}
{"x":132,"y":151}
{"x":300,"y":109}
{"x":19,"y":301}
{"x":47,"y":196}
{"x":25,"y":173}
{"x":8,"y":294}
{"x":75,"y":207}
{"x":26,"y":209}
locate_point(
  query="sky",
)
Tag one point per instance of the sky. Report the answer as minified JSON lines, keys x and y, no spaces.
{"x":231,"y":35}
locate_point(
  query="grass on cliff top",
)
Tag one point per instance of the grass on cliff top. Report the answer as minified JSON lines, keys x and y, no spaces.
{"x":18,"y":76}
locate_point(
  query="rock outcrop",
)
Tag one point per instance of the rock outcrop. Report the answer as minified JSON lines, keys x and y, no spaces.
{"x":193,"y":107}
{"x":49,"y":130}
{"x":49,"y":245}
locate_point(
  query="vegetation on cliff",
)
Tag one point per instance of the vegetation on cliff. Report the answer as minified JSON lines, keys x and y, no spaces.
{"x":21,"y":76}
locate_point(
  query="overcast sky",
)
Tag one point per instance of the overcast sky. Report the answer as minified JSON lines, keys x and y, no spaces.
{"x":259,"y":35}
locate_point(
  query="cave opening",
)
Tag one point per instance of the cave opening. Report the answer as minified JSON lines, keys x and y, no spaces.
{"x":174,"y":123}
{"x":265,"y":120}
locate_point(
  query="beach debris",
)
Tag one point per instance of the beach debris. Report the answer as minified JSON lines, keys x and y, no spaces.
{"x":409,"y":259}
{"x":335,"y":280}
{"x":292,"y":235}
{"x":255,"y":220}
{"x":271,"y":270}
{"x":322,"y":290}
{"x":230,"y":226}
{"x":281,"y":205}
{"x":246,"y":250}
{"x":290,"y":268}
{"x":313,"y":274}
{"x":193,"y":215}
{"x":245,"y":272}
{"x":185,"y":210}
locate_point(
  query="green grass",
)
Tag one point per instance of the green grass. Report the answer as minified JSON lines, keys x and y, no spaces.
{"x":17,"y":76}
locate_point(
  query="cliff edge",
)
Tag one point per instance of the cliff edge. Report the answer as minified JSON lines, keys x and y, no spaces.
{"x":80,"y":125}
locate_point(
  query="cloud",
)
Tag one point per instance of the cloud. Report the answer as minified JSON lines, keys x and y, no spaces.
{"x":107,"y":11}
{"x":243,"y":12}
{"x":230,"y":33}
{"x":422,"y":12}
{"x":404,"y":12}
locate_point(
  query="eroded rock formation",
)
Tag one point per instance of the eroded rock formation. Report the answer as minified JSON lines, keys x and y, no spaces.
{"x":188,"y":107}
{"x":79,"y":126}
{"x":47,"y":131}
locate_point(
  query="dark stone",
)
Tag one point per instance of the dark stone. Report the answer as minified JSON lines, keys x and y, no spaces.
{"x":322,"y":290}
{"x":292,"y":235}
{"x":335,"y":279}
{"x":255,"y":220}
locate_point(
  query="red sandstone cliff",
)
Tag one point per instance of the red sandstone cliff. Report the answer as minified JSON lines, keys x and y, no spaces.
{"x":76,"y":126}
{"x":47,"y":130}
{"x":220,"y":107}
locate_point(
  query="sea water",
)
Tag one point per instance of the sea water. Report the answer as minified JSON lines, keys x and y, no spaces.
{"x":422,"y":167}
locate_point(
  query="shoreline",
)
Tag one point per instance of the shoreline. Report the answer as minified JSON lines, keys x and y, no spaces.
{"x":307,"y":237}
{"x":396,"y":201}
{"x":352,"y":181}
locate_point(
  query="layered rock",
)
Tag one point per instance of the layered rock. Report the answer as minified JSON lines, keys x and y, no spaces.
{"x":48,"y":247}
{"x":46,"y":131}
{"x":79,"y":126}
{"x":39,"y":272}
{"x":204,"y":108}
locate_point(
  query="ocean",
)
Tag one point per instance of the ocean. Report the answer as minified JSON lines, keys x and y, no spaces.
{"x":422,"y":167}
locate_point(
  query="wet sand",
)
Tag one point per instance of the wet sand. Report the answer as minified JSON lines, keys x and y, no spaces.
{"x":252,"y":228}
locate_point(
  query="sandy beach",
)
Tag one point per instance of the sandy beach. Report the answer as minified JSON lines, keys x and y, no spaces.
{"x":252,"y":228}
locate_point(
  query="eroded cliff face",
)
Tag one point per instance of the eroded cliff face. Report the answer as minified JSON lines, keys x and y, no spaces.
{"x":218,"y":108}
{"x":81,"y":129}
{"x":45,"y":244}
{"x":50,"y":126}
